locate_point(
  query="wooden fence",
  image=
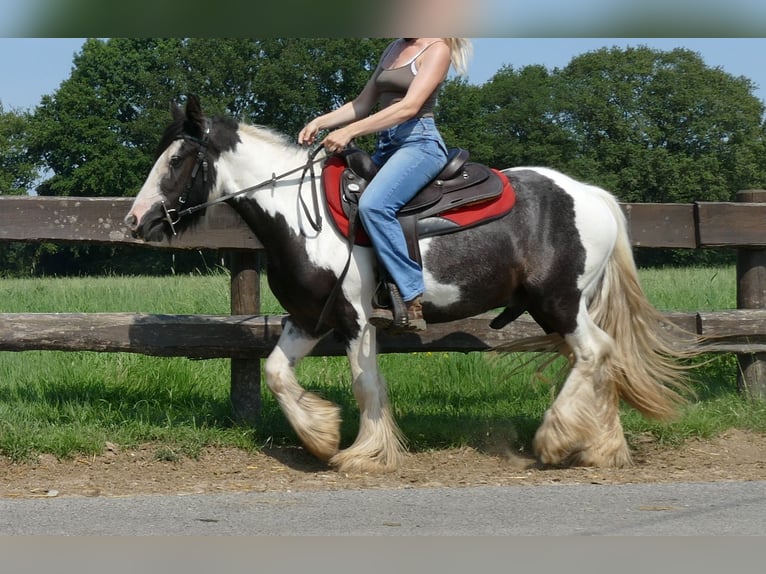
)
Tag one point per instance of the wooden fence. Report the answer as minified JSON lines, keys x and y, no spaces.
{"x":246,"y":336}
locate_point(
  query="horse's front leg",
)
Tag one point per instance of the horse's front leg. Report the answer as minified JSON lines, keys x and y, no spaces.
{"x":379,"y":445}
{"x":315,"y":420}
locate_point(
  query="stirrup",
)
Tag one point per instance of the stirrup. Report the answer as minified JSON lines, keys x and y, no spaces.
{"x":381,"y":318}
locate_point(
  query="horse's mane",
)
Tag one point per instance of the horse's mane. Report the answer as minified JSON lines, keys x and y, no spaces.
{"x":268,"y":135}
{"x":224,"y":134}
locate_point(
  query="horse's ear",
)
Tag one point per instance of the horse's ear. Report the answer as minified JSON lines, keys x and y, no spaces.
{"x":194,"y":109}
{"x":175,"y":111}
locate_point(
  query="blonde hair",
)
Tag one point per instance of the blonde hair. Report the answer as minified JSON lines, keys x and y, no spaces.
{"x":461,"y":51}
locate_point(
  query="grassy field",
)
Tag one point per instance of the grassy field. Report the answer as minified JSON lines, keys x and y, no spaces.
{"x":71,"y":403}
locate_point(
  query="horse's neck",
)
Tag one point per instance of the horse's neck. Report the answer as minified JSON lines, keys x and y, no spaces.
{"x":261,"y":159}
{"x":279,"y":206}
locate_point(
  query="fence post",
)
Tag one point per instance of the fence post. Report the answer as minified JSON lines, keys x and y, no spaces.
{"x":245,"y":300}
{"x":751,"y":294}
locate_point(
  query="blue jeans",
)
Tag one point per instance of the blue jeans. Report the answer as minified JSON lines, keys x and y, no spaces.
{"x":408,"y":156}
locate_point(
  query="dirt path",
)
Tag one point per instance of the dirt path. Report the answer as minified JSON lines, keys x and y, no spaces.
{"x":736,"y":455}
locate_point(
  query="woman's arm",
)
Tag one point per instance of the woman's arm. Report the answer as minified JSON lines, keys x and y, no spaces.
{"x":349,"y":112}
{"x":434,"y":66}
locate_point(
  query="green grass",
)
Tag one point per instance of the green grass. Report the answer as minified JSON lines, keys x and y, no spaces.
{"x":70,"y":403}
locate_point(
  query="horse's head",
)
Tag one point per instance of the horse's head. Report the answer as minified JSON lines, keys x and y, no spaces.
{"x":183,"y":175}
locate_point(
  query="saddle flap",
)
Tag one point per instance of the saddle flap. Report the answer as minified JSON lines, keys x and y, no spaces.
{"x":469,"y":186}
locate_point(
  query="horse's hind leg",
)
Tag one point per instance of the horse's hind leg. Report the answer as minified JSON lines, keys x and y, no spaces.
{"x":315,"y":420}
{"x":379,"y":445}
{"x":582,"y":427}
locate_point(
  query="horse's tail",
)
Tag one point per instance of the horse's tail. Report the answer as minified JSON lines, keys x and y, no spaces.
{"x":647,"y":365}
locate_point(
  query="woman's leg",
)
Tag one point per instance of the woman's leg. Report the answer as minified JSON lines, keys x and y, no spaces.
{"x":405,"y":173}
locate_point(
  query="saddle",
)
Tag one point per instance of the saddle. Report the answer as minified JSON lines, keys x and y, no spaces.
{"x":463,"y":195}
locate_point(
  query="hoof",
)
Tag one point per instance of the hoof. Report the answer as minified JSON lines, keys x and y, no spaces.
{"x":349,"y":463}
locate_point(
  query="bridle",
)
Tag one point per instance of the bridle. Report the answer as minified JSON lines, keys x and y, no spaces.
{"x":173,"y":216}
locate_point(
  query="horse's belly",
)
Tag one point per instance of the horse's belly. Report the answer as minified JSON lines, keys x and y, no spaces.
{"x":461,"y":282}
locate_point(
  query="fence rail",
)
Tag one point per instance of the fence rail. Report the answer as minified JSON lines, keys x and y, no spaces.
{"x":246,"y":336}
{"x":253,"y":337}
{"x":99,"y":220}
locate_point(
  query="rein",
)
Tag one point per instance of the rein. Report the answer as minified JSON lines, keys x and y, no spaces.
{"x":173,"y":216}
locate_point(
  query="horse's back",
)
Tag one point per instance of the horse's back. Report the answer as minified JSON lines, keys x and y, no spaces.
{"x":591,"y":212}
{"x":553,"y":244}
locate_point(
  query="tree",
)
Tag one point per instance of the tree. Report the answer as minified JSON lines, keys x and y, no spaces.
{"x":17,"y":173}
{"x":520,"y":118}
{"x":298,"y":78}
{"x":661,"y":126}
{"x":461,"y":122}
{"x":648,"y":125}
{"x":98,"y":132}
{"x":17,"y":169}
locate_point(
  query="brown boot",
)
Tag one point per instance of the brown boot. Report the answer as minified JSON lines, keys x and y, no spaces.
{"x":415,"y":320}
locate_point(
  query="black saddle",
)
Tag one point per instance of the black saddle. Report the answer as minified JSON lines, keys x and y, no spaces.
{"x":360,"y":162}
{"x":459,"y":183}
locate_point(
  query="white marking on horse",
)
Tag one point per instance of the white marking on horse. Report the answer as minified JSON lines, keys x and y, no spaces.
{"x":151,"y":192}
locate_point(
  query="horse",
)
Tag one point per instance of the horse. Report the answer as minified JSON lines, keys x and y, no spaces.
{"x":561,"y":254}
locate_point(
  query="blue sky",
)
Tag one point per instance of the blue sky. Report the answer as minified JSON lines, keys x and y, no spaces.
{"x":33,"y":67}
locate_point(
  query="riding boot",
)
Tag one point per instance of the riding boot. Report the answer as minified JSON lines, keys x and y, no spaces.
{"x":389,"y":310}
{"x":406,"y":316}
{"x":384,"y":303}
{"x":415,"y":320}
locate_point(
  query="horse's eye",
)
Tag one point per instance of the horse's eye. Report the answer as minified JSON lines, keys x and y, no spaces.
{"x":175,"y":161}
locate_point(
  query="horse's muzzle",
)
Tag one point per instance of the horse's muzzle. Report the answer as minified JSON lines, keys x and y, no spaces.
{"x":132,"y":222}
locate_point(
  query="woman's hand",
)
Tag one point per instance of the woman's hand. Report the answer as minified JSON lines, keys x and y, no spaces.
{"x":308,"y":134}
{"x":337,"y":140}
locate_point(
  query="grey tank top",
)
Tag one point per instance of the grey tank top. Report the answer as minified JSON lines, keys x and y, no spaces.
{"x":393,"y":83}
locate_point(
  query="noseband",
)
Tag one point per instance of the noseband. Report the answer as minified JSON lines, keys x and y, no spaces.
{"x":173,"y":216}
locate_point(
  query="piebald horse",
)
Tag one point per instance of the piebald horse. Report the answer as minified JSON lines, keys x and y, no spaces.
{"x":562,"y":254}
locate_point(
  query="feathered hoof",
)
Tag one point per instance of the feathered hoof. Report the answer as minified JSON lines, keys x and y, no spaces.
{"x":318,"y":426}
{"x":350,"y":462}
{"x":582,"y":455}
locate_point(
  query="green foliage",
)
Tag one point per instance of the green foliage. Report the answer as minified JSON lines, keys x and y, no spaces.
{"x":98,"y":132}
{"x":659,"y":127}
{"x":17,"y":169}
{"x":509,"y":120}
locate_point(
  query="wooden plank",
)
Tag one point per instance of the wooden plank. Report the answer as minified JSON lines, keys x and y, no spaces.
{"x":742,"y":322}
{"x":251,"y":337}
{"x":100,"y":220}
{"x":661,"y":224}
{"x":194,"y":336}
{"x":731,"y":224}
{"x":215,"y":336}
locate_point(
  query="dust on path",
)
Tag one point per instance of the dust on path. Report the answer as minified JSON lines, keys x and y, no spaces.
{"x":734,"y":455}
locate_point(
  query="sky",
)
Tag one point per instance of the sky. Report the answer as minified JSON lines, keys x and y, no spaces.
{"x":33,"y":67}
